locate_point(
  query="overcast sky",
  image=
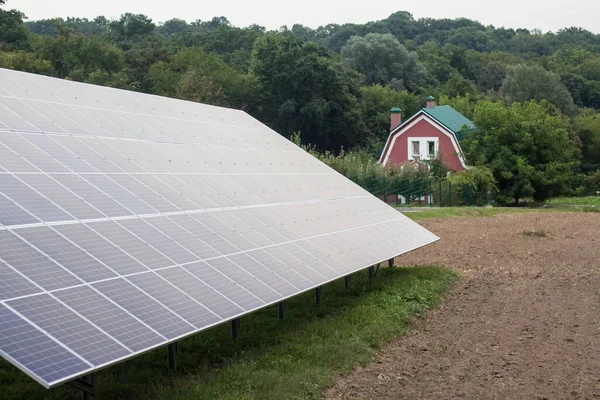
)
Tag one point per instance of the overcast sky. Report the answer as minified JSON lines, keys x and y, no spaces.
{"x":542,"y":14}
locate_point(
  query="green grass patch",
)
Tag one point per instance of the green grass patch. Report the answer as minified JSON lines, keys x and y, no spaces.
{"x":577,"y":201}
{"x":295,"y":358}
{"x":453,"y":212}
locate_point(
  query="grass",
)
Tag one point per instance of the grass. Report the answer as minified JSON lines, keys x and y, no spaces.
{"x":452,"y":212}
{"x":578,"y":201}
{"x":295,"y":358}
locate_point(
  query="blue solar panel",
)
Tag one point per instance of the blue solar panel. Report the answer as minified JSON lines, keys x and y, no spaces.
{"x":129,"y":221}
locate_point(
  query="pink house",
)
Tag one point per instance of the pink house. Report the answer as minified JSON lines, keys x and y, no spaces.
{"x":433,"y":131}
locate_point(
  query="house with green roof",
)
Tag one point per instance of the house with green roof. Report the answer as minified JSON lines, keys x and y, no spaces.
{"x":434,"y":131}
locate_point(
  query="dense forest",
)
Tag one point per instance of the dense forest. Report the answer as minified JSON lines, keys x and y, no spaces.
{"x":534,"y":96}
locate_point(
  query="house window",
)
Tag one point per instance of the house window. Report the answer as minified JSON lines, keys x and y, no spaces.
{"x":431,"y":149}
{"x":416,"y":149}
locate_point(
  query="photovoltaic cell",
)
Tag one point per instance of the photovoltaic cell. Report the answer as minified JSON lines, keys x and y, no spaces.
{"x":70,"y":329}
{"x":60,"y":196}
{"x":144,"y":308}
{"x":196,"y":288}
{"x":174,"y":299}
{"x":30,"y":153}
{"x":113,"y":320}
{"x":94,"y":196}
{"x":35,"y":351}
{"x":30,"y":200}
{"x":128,"y":221}
{"x":162,"y":243}
{"x":12,"y":214}
{"x":130,"y":244}
{"x":244,"y":279}
{"x":221,"y":282}
{"x":97,"y":246}
{"x":33,"y":264}
{"x":14,"y":285}
{"x":66,"y":254}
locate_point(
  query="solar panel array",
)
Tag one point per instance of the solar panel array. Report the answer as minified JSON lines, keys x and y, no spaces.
{"x":129,"y":221}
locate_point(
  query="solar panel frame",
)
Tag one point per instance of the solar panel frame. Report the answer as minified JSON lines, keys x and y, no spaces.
{"x":270,"y":221}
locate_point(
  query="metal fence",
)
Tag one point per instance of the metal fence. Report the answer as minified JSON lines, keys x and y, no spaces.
{"x":423,"y":192}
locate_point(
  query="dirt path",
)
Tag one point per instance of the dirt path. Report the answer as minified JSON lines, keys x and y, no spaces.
{"x":523,"y":323}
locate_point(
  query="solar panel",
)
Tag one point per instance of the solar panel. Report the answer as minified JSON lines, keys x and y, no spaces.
{"x":129,"y":221}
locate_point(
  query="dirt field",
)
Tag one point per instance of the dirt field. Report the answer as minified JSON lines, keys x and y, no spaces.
{"x":523,"y":323}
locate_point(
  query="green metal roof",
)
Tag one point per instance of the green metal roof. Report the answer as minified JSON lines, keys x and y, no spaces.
{"x":396,"y":110}
{"x":451,"y":119}
{"x":430,"y":98}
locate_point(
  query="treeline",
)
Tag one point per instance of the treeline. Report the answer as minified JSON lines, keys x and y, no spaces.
{"x":535,"y":96}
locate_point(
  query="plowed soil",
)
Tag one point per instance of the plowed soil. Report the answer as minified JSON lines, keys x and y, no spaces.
{"x":523,"y":323}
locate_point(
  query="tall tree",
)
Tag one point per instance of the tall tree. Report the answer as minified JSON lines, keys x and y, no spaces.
{"x":526,"y":146}
{"x":307,"y":91}
{"x":129,"y":28}
{"x":523,"y":83}
{"x":587,"y":129}
{"x":13,"y":34}
{"x":376,"y":102}
{"x":381,"y":59}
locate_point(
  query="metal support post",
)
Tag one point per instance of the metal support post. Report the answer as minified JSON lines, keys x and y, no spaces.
{"x":235,"y":328}
{"x":172,"y":350}
{"x":371,"y":273}
{"x":282,"y":309}
{"x":318,"y":294}
{"x":86,"y":385}
{"x":347,"y":282}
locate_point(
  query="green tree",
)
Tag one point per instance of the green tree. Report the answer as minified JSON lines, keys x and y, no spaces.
{"x":523,"y":83}
{"x":457,"y":85}
{"x":25,"y":61}
{"x":75,"y":56}
{"x":13,"y":34}
{"x":463,"y":104}
{"x":382,"y":59}
{"x":526,"y":146}
{"x":129,"y":28}
{"x":475,"y":184}
{"x":375,"y":104}
{"x":172,"y":26}
{"x":305,"y":90}
{"x":141,"y":55}
{"x":587,"y":130}
{"x":195,"y":86}
{"x":489,"y":69}
{"x":217,"y":82}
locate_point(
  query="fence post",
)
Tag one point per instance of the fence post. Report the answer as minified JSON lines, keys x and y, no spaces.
{"x":430,"y":195}
{"x":396,"y":191}
{"x":449,"y":194}
{"x":440,"y":193}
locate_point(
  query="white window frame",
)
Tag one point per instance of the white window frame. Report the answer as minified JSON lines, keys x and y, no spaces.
{"x":423,"y":147}
{"x":435,"y":146}
{"x":412,"y":146}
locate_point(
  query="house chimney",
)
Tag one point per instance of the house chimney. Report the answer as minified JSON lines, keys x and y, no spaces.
{"x":430,"y":102}
{"x":395,"y":118}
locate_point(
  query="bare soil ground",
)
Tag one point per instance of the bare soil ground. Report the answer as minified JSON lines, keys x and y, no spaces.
{"x":523,"y":323}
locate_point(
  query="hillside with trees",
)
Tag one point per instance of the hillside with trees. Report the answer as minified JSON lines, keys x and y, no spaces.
{"x":534,"y":96}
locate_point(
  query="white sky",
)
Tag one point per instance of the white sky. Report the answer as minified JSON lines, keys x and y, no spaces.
{"x":542,"y":14}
